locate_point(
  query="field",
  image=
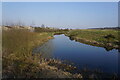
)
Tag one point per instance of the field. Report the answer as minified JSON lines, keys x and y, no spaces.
{"x":19,"y":62}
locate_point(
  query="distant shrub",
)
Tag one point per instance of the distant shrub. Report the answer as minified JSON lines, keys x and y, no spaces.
{"x":109,"y":36}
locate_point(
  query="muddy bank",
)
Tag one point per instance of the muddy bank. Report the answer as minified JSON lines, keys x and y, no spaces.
{"x":107,"y":46}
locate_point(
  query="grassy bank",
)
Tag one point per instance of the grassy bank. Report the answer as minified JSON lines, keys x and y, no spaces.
{"x":102,"y":38}
{"x":19,"y":62}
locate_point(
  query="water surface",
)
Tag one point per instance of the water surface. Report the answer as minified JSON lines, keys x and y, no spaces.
{"x":82,"y":55}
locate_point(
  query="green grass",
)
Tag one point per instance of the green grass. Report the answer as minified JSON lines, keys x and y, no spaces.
{"x":95,"y":35}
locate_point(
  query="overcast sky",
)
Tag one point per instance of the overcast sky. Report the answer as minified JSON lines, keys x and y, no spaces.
{"x":62,"y":14}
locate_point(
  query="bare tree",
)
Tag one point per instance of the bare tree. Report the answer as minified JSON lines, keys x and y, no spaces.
{"x":32,"y":24}
{"x":19,"y":23}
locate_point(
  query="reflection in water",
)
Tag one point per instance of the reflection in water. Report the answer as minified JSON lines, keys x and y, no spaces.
{"x":109,"y":48}
{"x":119,"y":50}
{"x":82,"y":55}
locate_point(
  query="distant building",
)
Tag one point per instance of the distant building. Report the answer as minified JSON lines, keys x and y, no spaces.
{"x":43,"y":26}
